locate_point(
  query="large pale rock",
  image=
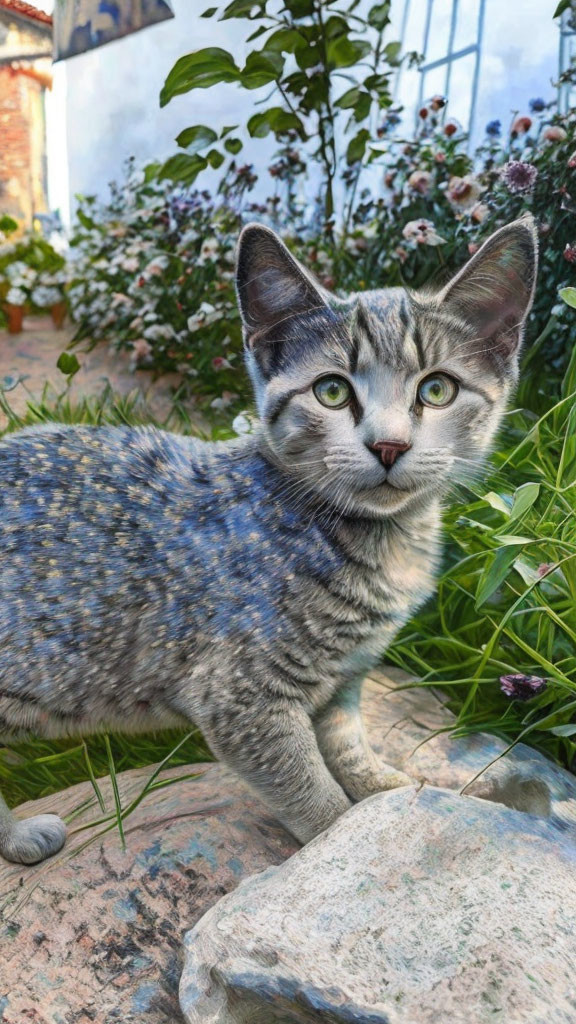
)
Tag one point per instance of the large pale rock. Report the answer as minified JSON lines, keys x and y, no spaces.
{"x":419,"y":906}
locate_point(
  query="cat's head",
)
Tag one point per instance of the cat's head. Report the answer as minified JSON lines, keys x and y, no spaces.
{"x":381,"y":400}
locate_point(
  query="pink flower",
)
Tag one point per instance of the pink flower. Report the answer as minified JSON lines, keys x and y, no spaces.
{"x":545,"y":568}
{"x":224,"y":401}
{"x":420,"y":181}
{"x":451,"y":127}
{"x":437,"y":103}
{"x":220,"y":363}
{"x":422,"y":232}
{"x":479,"y":213}
{"x":521,"y":125}
{"x":141,"y":351}
{"x":554,"y":133}
{"x":521,"y":687}
{"x":572,"y":161}
{"x":473,"y":247}
{"x":519,"y":176}
{"x":569,"y":253}
{"x":463,"y":193}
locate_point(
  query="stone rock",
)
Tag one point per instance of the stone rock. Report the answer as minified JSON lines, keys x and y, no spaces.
{"x":94,"y":935}
{"x":418,"y":906}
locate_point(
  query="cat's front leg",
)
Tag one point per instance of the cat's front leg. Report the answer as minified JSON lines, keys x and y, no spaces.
{"x":30,"y":840}
{"x":346,"y":749}
{"x":274,"y":749}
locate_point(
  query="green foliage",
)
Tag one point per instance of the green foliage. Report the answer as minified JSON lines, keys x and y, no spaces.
{"x":308,"y":53}
{"x":507,"y":601}
{"x":152,"y":272}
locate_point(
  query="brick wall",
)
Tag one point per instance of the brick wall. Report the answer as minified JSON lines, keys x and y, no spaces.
{"x":22,"y":171}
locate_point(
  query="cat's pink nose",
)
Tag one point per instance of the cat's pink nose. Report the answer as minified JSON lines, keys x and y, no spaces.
{"x":388,"y":451}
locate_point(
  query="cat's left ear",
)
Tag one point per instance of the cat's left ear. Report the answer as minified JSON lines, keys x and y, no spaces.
{"x":272,"y":286}
{"x":493,"y":293}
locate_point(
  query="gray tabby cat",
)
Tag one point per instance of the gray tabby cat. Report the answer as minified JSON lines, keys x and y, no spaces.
{"x":151,"y":580}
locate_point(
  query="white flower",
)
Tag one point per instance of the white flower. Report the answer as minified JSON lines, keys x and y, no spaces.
{"x":45,"y":297}
{"x":209,"y":250}
{"x":243,"y":423}
{"x":16,"y":297}
{"x":130,"y":265}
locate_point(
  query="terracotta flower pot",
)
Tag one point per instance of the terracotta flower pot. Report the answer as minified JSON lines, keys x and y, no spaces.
{"x":58,"y":313}
{"x":15,"y":315}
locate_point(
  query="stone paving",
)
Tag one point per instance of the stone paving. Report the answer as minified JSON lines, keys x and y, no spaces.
{"x":34,"y":354}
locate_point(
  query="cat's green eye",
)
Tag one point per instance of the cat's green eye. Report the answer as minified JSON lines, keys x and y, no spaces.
{"x":333,"y":392}
{"x":437,"y":391}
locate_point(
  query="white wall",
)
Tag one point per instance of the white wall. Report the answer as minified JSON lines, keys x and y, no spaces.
{"x":112,"y":104}
{"x":518,"y":62}
{"x":106,"y":101}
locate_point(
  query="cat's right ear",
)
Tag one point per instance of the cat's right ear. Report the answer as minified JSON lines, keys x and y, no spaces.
{"x":272,"y":285}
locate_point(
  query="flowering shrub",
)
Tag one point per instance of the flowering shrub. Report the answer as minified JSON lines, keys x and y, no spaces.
{"x":32,"y":273}
{"x":438,"y":204}
{"x":152,"y":272}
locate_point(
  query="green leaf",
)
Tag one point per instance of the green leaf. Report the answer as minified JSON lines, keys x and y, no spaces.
{"x":498,"y":502}
{"x":357,"y":146}
{"x":379,"y":16}
{"x":362,"y":107}
{"x":233,"y":145}
{"x":496,"y":573}
{"x":524,"y":498}
{"x":344,"y":52}
{"x":259,"y":32}
{"x":241,"y":9}
{"x":196,"y":138}
{"x":349,"y":98}
{"x":285,"y":40}
{"x":8,"y":224}
{"x":568,"y":295}
{"x":226,"y":131}
{"x":209,"y":12}
{"x":215,"y":158}
{"x":276,"y":120}
{"x":392,"y":53}
{"x":151,"y":171}
{"x":199,"y":70}
{"x":549,"y":722}
{"x":183,"y":167}
{"x":564,"y":5}
{"x":86,"y":221}
{"x":68,"y":364}
{"x":261,"y":68}
{"x":564,"y":730}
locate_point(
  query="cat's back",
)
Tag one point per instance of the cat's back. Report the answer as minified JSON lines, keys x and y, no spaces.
{"x":94,"y":475}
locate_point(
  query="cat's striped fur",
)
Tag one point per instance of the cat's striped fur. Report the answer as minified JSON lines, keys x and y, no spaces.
{"x":151,"y":580}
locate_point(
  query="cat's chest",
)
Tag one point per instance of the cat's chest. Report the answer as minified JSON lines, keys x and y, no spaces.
{"x":346,"y":620}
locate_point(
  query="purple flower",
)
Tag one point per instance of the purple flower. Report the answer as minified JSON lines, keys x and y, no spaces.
{"x":519,"y":176}
{"x":494,"y":129}
{"x":537,"y":105}
{"x":520,"y":687}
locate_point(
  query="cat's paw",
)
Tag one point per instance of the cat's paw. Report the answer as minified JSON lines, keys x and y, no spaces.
{"x":391,"y":779}
{"x":33,"y":839}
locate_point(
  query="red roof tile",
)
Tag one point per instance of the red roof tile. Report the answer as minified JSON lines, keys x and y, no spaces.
{"x":25,"y":10}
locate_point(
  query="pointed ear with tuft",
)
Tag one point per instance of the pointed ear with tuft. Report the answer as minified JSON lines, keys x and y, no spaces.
{"x":271,"y":285}
{"x":493,"y":293}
